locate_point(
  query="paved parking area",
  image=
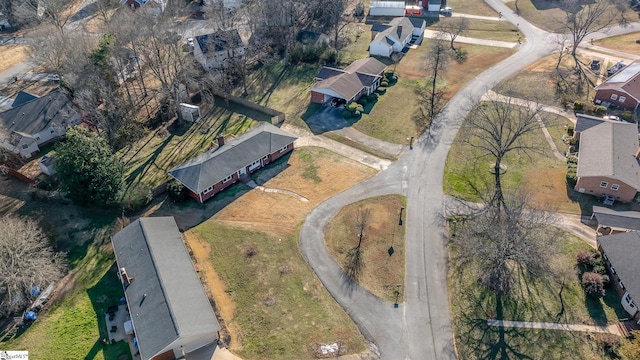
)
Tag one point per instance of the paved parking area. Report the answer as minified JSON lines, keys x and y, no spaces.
{"x":328,"y":118}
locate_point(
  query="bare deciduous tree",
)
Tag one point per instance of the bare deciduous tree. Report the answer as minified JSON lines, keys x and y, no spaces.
{"x":499,"y":126}
{"x":354,"y":263}
{"x":503,"y":243}
{"x":26,"y":260}
{"x":437,"y":58}
{"x":453,"y":27}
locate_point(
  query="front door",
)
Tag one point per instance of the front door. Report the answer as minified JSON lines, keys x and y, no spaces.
{"x":242,"y":171}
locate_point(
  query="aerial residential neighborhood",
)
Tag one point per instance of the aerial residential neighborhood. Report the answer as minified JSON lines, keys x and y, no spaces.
{"x":397,"y":179}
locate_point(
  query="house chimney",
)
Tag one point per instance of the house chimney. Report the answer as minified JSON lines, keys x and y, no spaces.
{"x":220,"y":140}
{"x":125,"y":277}
{"x":399,"y":30}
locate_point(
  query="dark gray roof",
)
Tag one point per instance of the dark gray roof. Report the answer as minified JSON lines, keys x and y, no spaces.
{"x":213,"y":166}
{"x":165,"y":298}
{"x":22,"y":98}
{"x":349,"y":82}
{"x":608,"y":149}
{"x":623,"y":251}
{"x":405,"y":32}
{"x":367,"y":65}
{"x":585,"y":122}
{"x":38,"y":114}
{"x":629,"y":220}
{"x":416,"y":22}
{"x":219,"y":41}
{"x":379,"y":27}
{"x":327,"y":72}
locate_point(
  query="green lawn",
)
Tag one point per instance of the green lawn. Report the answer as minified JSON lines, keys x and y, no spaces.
{"x":148,"y":160}
{"x":72,"y":327}
{"x":538,"y":300}
{"x":282,"y":314}
{"x":557,"y":126}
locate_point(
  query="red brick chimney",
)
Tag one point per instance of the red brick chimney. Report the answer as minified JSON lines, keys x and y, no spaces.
{"x":220,"y":140}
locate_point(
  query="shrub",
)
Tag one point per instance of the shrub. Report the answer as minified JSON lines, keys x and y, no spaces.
{"x":352,"y":106}
{"x":372,"y":97}
{"x":346,"y":114}
{"x":599,"y":110}
{"x":381,"y":90}
{"x":570,"y":130}
{"x":572,"y":177}
{"x":573,"y":141}
{"x":460,"y":56}
{"x":136,"y":197}
{"x":363,"y":101}
{"x":586,"y":258}
{"x":359,"y":108}
{"x":578,"y":105}
{"x":384,"y":83}
{"x":176,"y":190}
{"x":627,"y":115}
{"x":593,"y":285}
{"x":600,"y":269}
{"x":390,"y":74}
{"x":572,"y":159}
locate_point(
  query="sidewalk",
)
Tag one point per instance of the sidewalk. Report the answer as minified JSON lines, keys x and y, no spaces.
{"x":611,"y":329}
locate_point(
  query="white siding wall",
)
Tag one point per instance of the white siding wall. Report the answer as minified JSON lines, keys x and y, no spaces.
{"x":380,"y":49}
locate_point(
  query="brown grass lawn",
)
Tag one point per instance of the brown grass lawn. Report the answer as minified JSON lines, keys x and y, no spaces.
{"x":626,"y":43}
{"x":487,"y":29}
{"x":548,"y":15}
{"x":272,"y":311}
{"x":381,"y":272}
{"x":474,"y":7}
{"x":12,"y":55}
{"x":541,"y":299}
{"x":538,"y":82}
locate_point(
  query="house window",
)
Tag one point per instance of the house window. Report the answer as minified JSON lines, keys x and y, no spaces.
{"x":284,"y":149}
{"x":615,"y":187}
{"x":208,"y":189}
{"x":614,"y":96}
{"x":613,"y":271}
{"x":620,"y":284}
{"x":622,"y":99}
{"x":227,"y":179}
{"x":604,"y":184}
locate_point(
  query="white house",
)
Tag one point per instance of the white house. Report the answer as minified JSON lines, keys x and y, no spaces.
{"x":395,"y":36}
{"x":35,"y":122}
{"x":213,"y":51}
{"x":434,"y":5}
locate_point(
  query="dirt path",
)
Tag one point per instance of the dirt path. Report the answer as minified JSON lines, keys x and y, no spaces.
{"x":217,"y":287}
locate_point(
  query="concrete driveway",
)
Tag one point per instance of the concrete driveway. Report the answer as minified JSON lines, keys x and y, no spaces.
{"x":328,"y":118}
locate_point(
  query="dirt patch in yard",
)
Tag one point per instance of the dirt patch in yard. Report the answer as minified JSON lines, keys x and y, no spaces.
{"x":12,"y":55}
{"x":313,"y":173}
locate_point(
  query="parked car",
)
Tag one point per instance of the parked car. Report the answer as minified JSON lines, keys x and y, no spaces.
{"x":190,"y":42}
{"x":337,"y":102}
{"x":615,"y":67}
{"x":612,"y":117}
{"x":595,"y":64}
{"x":53,"y":77}
{"x":446,"y":11}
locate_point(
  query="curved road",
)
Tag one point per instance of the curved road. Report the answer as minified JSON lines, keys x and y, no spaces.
{"x":421,"y":327}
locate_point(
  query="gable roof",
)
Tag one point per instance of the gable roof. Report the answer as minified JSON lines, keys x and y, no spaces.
{"x":584,"y":122}
{"x":627,"y":80}
{"x":629,"y":220}
{"x":349,"y":82}
{"x":165,"y":298}
{"x":22,"y":98}
{"x":31,"y":117}
{"x":608,"y":149}
{"x":219,"y":41}
{"x":213,"y":166}
{"x":623,"y":251}
{"x":398,"y":30}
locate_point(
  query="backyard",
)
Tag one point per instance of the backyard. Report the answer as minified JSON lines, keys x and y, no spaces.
{"x":558,"y":298}
{"x":271,"y":301}
{"x":383,"y":271}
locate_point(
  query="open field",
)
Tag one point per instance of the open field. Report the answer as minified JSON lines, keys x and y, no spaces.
{"x":282,"y":308}
{"x":626,"y":43}
{"x":12,"y":55}
{"x":382,"y":272}
{"x":548,"y":15}
{"x":559,"y":298}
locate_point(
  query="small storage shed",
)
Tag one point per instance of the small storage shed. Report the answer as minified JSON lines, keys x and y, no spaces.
{"x":189,"y":112}
{"x":47,"y":165}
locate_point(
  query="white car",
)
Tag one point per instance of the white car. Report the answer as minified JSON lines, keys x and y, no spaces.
{"x":190,"y":42}
{"x":446,"y":11}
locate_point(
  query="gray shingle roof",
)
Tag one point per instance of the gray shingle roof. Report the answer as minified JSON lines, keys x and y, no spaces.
{"x":629,"y":220}
{"x":368,"y":65}
{"x":22,"y":98}
{"x":156,"y":259}
{"x":38,"y":114}
{"x":219,"y":41}
{"x":608,"y":149}
{"x":585,"y":122}
{"x":350,"y":81}
{"x":623,"y":251}
{"x":213,"y":166}
{"x":327,"y":72}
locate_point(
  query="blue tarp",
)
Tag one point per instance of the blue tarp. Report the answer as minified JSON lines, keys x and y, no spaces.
{"x":35,"y":291}
{"x":30,"y":315}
